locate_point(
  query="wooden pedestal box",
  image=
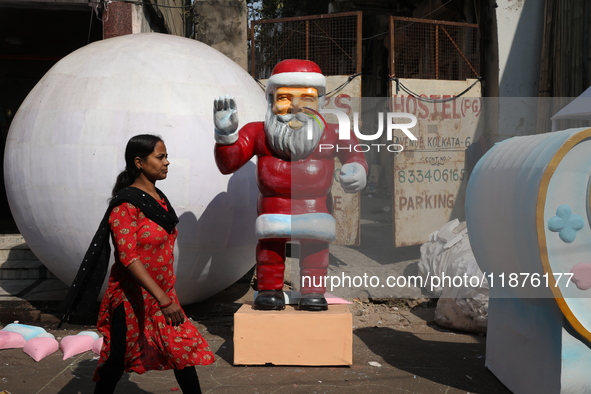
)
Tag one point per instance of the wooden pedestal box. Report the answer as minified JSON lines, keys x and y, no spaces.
{"x":293,"y":337}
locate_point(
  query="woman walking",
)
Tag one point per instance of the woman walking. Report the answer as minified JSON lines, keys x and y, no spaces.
{"x":143,"y":325}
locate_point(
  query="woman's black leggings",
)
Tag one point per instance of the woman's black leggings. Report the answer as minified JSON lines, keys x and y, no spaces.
{"x":113,"y":369}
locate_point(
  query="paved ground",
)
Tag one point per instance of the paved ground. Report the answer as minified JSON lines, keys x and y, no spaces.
{"x":395,"y":349}
{"x":396,"y":346}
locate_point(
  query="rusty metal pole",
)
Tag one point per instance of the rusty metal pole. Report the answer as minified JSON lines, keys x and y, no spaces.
{"x":117,"y":20}
{"x":392,"y":49}
{"x":307,"y":40}
{"x":436,"y":51}
{"x":359,"y":42}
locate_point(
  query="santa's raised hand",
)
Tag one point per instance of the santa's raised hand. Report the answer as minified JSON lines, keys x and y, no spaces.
{"x":225,"y":120}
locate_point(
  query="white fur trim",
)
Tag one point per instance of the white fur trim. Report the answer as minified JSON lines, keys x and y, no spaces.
{"x":226,"y":139}
{"x":295,"y":79}
{"x":319,"y":226}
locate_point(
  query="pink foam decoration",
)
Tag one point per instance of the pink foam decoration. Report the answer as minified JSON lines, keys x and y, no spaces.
{"x":25,"y":330}
{"x":39,"y":348}
{"x":76,"y":344}
{"x":97,"y":345}
{"x":11,"y":340}
{"x":582,"y":276}
{"x":334,"y":300}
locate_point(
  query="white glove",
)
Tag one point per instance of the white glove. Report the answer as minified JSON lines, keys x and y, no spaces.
{"x":225,"y":120}
{"x":353,"y":177}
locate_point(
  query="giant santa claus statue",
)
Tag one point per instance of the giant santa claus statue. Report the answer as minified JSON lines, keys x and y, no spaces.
{"x":295,"y":148}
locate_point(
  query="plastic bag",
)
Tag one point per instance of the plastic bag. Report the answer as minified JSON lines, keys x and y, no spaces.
{"x":445,"y":259}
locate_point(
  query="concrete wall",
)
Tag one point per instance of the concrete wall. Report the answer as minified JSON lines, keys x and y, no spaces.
{"x":161,"y":16}
{"x":520,"y":30}
{"x":173,"y":18}
{"x":223,"y":25}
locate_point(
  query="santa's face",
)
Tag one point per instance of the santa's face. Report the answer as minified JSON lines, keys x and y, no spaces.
{"x":286,"y":115}
{"x":288,"y":100}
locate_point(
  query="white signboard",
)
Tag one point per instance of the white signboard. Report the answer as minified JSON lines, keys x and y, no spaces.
{"x":430,"y":174}
{"x":346,"y":206}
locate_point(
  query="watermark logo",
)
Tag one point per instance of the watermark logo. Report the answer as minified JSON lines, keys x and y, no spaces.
{"x":388,"y":119}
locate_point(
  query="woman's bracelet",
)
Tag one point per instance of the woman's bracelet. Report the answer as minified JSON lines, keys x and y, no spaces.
{"x":165,"y":305}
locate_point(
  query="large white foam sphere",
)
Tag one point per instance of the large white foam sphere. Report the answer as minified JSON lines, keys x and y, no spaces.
{"x":66,"y":146}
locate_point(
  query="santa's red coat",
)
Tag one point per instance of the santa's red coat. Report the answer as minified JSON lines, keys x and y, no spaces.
{"x":287,"y":187}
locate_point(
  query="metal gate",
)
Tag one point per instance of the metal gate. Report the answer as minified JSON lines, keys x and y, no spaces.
{"x":333,"y":41}
{"x":426,"y":49}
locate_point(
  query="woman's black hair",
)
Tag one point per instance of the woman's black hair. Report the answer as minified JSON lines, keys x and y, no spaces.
{"x":142,"y":146}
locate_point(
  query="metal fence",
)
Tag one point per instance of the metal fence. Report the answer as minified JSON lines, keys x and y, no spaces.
{"x":426,"y":49}
{"x":419,"y":48}
{"x":333,"y":41}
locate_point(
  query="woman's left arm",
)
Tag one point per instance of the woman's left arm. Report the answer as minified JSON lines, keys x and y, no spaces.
{"x":172,"y":311}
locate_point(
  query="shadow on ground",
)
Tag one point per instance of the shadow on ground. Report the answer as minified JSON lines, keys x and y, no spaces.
{"x":438,"y":361}
{"x":82,"y":381}
{"x":216,"y":314}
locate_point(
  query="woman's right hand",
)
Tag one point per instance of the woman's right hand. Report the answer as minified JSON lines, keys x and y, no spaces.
{"x":173,"y":314}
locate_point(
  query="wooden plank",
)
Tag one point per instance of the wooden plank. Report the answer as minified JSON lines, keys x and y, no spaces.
{"x":304,"y":18}
{"x":434,"y":22}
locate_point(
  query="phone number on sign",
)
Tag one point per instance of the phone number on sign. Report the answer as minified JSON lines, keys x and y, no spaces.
{"x":437,"y":175}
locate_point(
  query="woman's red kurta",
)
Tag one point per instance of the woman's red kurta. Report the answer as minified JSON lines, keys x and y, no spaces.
{"x":152,"y":344}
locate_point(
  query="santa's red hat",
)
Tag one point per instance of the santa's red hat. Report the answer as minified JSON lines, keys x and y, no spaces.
{"x":296,"y":73}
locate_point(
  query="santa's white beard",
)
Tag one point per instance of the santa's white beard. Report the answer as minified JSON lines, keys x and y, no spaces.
{"x":287,"y":142}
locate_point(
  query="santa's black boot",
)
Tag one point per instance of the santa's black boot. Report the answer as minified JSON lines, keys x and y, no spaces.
{"x":313,"y":302}
{"x":270,"y":300}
